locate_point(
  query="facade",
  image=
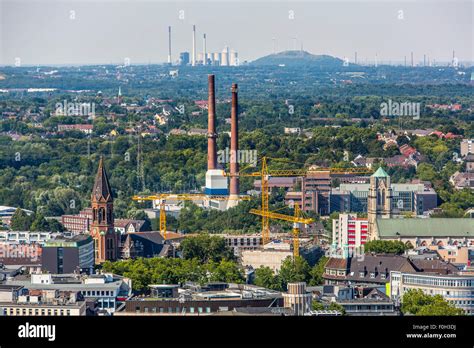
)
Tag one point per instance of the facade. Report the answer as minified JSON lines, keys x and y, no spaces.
{"x":297,"y":298}
{"x":106,"y":240}
{"x":457,"y":289}
{"x":27,"y":305}
{"x":272,"y":255}
{"x":240,"y":242}
{"x":107,"y":290}
{"x":467,"y":147}
{"x":379,"y":199}
{"x":78,"y":223}
{"x":67,"y":255}
{"x":349,"y":231}
{"x":414,"y":198}
{"x":143,"y":244}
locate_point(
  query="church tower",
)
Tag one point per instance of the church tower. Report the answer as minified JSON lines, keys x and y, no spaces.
{"x":102,"y":226}
{"x":379,"y":200}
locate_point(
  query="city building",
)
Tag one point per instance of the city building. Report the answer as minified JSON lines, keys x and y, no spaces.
{"x":108,"y":291}
{"x":195,"y":300}
{"x":457,"y":288}
{"x":461,"y":181}
{"x":85,"y":128}
{"x":240,"y":242}
{"x":19,"y":301}
{"x":374,"y":303}
{"x":297,"y":298}
{"x":467,"y":147}
{"x":416,"y":198}
{"x":144,"y":244}
{"x":349,"y":231}
{"x":6,"y":213}
{"x":427,"y":231}
{"x":184,"y":58}
{"x":67,"y":255}
{"x":469,"y":160}
{"x":78,"y":223}
{"x":271,"y":255}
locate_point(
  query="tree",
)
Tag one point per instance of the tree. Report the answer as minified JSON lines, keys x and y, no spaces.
{"x":265,"y":277}
{"x":21,"y":221}
{"x":294,"y":270}
{"x":39,"y":224}
{"x":385,"y":247}
{"x":317,"y":272}
{"x":416,"y":302}
{"x":205,"y":247}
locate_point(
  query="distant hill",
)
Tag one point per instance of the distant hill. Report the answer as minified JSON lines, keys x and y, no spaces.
{"x":298,"y":58}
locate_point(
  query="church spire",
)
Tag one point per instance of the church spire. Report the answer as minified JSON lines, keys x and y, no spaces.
{"x":106,"y":240}
{"x":101,"y":190}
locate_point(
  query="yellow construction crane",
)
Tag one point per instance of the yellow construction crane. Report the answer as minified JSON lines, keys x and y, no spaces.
{"x":265,"y":174}
{"x":162,"y":197}
{"x":297,"y":219}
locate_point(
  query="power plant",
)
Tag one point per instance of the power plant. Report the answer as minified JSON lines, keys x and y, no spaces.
{"x":228,"y":57}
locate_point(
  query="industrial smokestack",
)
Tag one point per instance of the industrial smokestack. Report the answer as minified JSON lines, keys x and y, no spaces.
{"x":234,"y":142}
{"x":211,"y":126}
{"x":169,"y":45}
{"x":204,"y":53}
{"x":193,"y":61}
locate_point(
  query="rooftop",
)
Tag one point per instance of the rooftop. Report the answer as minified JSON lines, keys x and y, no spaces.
{"x":429,"y":227}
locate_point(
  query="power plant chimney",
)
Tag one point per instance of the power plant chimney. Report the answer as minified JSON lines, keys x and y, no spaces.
{"x":169,"y":45}
{"x":234,"y":143}
{"x":211,"y":126}
{"x":204,"y":53}
{"x":193,"y":61}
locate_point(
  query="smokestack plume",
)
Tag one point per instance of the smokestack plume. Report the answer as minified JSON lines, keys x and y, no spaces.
{"x":234,"y":142}
{"x":169,"y":45}
{"x":193,"y":61}
{"x":211,"y":125}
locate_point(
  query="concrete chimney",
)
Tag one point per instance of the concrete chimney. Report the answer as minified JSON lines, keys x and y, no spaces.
{"x":169,"y":45}
{"x":211,"y":125}
{"x":204,"y":53}
{"x":193,"y":60}
{"x":234,"y":142}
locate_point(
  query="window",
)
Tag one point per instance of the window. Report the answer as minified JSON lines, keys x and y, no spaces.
{"x":372,"y":275}
{"x":361,"y":274}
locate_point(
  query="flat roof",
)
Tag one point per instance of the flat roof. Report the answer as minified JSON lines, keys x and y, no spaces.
{"x":428,"y":227}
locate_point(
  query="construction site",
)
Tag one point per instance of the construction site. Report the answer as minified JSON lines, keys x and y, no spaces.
{"x":222,"y":192}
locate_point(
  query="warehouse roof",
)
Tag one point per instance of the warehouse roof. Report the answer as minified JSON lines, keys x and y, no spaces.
{"x":430,"y":227}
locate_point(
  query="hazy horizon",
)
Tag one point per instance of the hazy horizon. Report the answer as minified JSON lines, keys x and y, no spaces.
{"x":46,"y":32}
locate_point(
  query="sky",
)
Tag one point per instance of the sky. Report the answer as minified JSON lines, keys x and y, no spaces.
{"x":62,"y":32}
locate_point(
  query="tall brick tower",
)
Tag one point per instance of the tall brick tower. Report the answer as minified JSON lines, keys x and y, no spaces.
{"x":102,"y":226}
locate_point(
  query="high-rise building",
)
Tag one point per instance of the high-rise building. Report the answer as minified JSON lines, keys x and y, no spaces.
{"x":102,"y":226}
{"x":349,"y":231}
